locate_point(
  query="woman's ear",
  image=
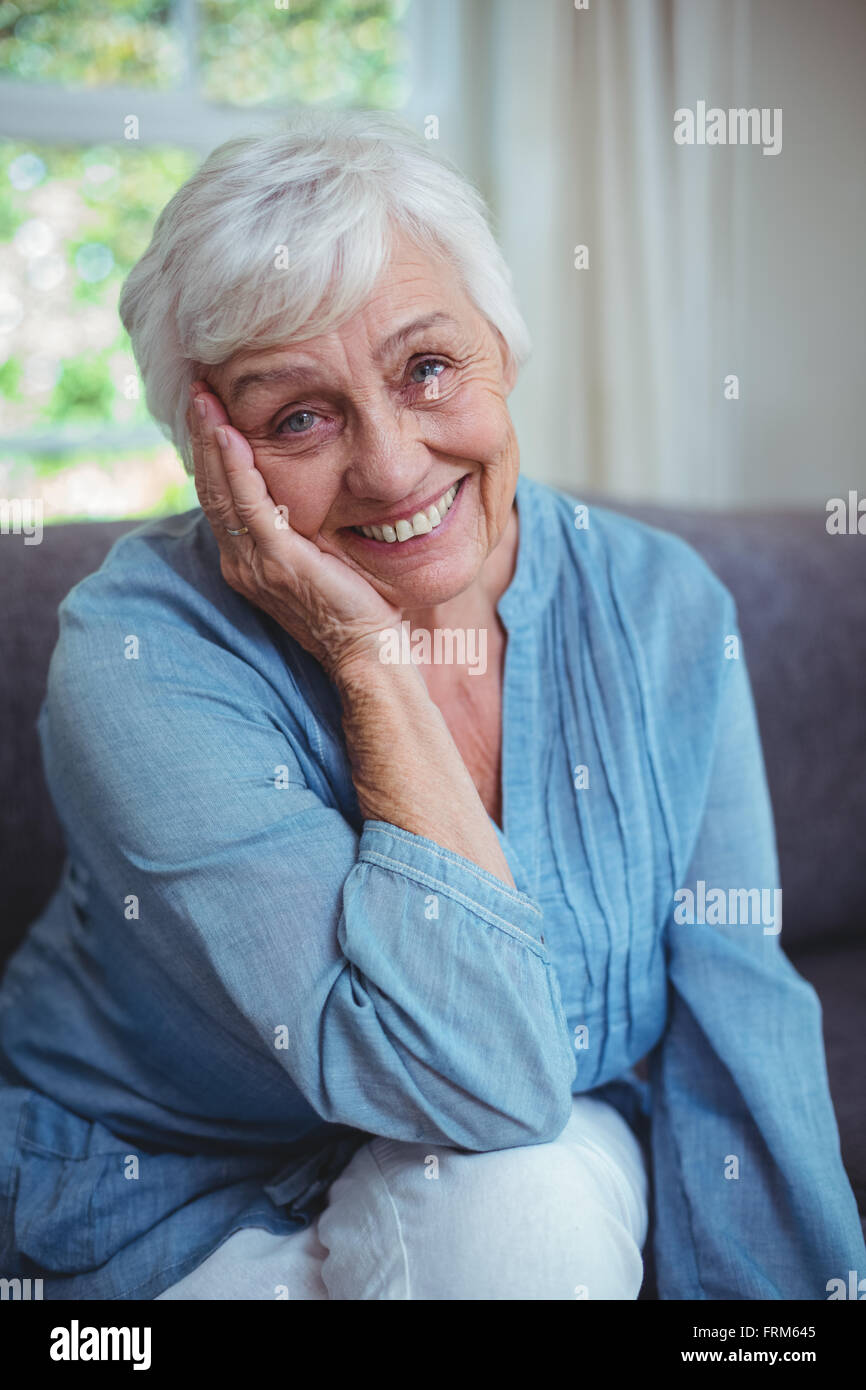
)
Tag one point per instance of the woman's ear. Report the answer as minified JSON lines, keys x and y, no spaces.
{"x":509,"y":366}
{"x":510,"y":375}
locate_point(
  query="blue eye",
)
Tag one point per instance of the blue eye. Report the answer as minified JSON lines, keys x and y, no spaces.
{"x":296,"y":415}
{"x":429,"y":362}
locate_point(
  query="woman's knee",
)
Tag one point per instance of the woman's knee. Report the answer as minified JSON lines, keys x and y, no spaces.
{"x":563,"y":1220}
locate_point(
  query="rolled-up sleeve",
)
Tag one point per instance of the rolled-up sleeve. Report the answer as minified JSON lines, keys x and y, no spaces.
{"x":403,"y":990}
{"x":751,"y":1197}
{"x":439,"y":1015}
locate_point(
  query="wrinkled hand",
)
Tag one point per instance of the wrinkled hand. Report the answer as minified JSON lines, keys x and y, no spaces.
{"x":331,"y":610}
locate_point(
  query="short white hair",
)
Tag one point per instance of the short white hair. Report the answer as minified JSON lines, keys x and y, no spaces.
{"x":323,"y":196}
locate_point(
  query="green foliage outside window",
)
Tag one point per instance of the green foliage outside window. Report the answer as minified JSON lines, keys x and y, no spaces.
{"x":74,"y":220}
{"x":344,"y":51}
{"x":123,"y":42}
{"x":249,"y":52}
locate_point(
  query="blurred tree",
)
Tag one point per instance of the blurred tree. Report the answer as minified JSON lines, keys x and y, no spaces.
{"x":74,"y":219}
{"x":123,"y":42}
{"x":351,"y":52}
{"x":250,"y":52}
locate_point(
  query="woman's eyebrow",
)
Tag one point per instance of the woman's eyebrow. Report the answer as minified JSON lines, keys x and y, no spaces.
{"x":415,"y":326}
{"x":301,"y":372}
{"x":272,"y":376}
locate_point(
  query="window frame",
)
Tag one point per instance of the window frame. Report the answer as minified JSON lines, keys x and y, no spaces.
{"x":181,"y":118}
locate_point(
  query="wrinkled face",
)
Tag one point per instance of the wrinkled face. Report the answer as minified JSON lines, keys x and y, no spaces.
{"x":375,"y":424}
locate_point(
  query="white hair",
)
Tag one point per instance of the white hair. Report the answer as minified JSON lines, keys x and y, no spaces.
{"x":323,"y":196}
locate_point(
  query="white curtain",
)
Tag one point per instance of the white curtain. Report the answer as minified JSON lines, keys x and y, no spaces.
{"x":704,"y":262}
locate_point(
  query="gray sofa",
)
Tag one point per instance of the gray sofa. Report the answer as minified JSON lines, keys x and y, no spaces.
{"x":801,"y":595}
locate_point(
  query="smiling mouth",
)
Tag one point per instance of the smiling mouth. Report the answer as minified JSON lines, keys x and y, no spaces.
{"x":420,"y":524}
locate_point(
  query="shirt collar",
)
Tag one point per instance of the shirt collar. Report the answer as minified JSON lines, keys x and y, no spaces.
{"x":539,"y":546}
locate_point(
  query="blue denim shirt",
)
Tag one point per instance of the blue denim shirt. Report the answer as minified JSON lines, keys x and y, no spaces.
{"x":239,"y":980}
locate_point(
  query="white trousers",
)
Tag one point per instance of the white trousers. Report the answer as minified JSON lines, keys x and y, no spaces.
{"x":563,"y":1220}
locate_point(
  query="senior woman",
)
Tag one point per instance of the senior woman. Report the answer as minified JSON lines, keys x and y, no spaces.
{"x":353,"y":960}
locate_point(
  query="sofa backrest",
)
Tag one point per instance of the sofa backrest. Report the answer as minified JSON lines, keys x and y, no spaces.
{"x":801,"y":595}
{"x":801,"y":599}
{"x":33,"y":580}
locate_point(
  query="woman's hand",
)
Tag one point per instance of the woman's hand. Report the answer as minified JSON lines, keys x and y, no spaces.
{"x":332,"y":611}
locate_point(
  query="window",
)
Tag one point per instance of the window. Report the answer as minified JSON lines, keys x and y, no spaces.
{"x":107,"y":107}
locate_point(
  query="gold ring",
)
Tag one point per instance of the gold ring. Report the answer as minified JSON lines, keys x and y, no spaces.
{"x":242,"y":532}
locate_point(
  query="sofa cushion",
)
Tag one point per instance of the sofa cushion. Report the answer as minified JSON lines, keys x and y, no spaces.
{"x":33,"y":580}
{"x":801,"y":598}
{"x":839,"y":976}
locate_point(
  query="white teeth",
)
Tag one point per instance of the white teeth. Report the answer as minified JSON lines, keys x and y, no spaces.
{"x":420,"y":525}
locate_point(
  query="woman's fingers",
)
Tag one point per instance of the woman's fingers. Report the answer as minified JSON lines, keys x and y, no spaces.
{"x":267,"y":524}
{"x":212,"y":486}
{"x":232,"y":491}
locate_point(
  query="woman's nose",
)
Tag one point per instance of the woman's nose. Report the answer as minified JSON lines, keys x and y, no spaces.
{"x":387,"y":458}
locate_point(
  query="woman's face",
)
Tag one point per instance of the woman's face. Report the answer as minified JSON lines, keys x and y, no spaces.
{"x":376,"y":421}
